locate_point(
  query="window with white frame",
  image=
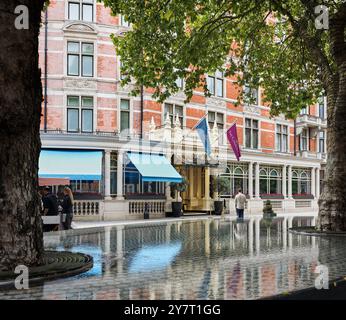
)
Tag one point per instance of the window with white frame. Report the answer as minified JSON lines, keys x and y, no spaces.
{"x":270,"y":179}
{"x":321,"y":108}
{"x":124,"y":115}
{"x":80,"y":59}
{"x":304,"y":140}
{"x":236,"y":175}
{"x":251,"y":94}
{"x":180,"y":83}
{"x":215,"y":84}
{"x":321,"y":141}
{"x":124,"y":22}
{"x":173,"y":110}
{"x":281,"y":138}
{"x":82,"y":10}
{"x":304,"y":110}
{"x":301,"y":181}
{"x":251,"y":133}
{"x":80,"y":114}
{"x":218,"y":118}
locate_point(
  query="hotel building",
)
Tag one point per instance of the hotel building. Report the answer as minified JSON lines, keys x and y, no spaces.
{"x":92,"y":131}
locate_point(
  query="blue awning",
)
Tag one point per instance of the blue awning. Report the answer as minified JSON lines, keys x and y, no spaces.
{"x":74,"y":165}
{"x":154,"y":168}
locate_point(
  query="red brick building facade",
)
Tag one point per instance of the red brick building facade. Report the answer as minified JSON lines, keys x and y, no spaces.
{"x":87,"y":109}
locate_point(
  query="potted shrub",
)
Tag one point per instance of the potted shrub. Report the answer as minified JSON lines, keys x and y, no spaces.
{"x":220,"y":186}
{"x":268,"y":210}
{"x":177,"y":205}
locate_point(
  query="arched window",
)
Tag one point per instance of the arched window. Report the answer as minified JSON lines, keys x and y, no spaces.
{"x":238,"y":178}
{"x":301,"y":181}
{"x":274,"y":173}
{"x":270,"y":180}
{"x":238,"y":171}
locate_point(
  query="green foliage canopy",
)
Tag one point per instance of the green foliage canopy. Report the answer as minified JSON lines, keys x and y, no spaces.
{"x":171,"y":39}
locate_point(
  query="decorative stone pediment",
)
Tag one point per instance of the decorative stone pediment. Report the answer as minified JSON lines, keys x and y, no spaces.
{"x":252,"y":109}
{"x":80,"y":84}
{"x":215,"y":102}
{"x":80,"y":27}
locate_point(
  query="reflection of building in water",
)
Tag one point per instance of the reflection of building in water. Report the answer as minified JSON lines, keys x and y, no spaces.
{"x":215,"y":259}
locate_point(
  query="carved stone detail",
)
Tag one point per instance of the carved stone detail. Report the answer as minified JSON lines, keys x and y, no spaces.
{"x":80,"y":84}
{"x":252,"y":109}
{"x":80,"y":27}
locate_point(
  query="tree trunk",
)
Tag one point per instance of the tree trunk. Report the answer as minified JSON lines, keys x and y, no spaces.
{"x":332,"y":203}
{"x":21,"y":239}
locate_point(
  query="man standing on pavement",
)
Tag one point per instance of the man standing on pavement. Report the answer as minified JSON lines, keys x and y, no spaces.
{"x":240,"y":201}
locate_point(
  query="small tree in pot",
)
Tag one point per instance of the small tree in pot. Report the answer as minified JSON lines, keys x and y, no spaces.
{"x":177,"y":188}
{"x":220,"y":186}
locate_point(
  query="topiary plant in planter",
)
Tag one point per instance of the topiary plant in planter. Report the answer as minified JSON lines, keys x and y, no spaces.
{"x":177,"y":188}
{"x":268,"y":210}
{"x":220,"y":186}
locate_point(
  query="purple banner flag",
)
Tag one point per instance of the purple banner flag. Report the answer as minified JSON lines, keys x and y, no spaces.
{"x":232,"y":137}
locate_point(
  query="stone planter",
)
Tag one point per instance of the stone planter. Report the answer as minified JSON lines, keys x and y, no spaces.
{"x":218,"y":207}
{"x":177,"y":207}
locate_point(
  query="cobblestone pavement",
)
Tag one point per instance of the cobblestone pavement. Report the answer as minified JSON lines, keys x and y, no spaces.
{"x":199,"y":259}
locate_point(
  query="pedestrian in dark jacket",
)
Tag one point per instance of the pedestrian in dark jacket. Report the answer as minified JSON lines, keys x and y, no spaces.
{"x":67,"y":207}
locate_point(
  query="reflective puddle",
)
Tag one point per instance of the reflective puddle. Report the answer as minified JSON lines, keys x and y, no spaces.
{"x":202,"y":259}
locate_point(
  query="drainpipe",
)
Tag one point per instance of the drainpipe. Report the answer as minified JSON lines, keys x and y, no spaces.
{"x":45,"y":68}
{"x":142,"y":110}
{"x":295,"y":138}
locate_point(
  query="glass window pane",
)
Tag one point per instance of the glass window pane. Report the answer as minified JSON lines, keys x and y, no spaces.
{"x":211,"y":116}
{"x":72,"y":119}
{"x":274,"y":186}
{"x":87,"y":102}
{"x":73,"y":65}
{"x":278,"y":128}
{"x":211,"y":84}
{"x":254,"y":94}
{"x":219,"y":87}
{"x":179,"y":110}
{"x":87,"y":48}
{"x":73,"y":101}
{"x":219,"y":118}
{"x":125,"y":120}
{"x":87,"y":66}
{"x":248,"y":123}
{"x":87,"y":120}
{"x":263,"y":186}
{"x":285,"y":144}
{"x":88,"y":12}
{"x":278,"y":142}
{"x":73,"y":11}
{"x":73,"y":47}
{"x":124,"y":104}
{"x":255,"y":123}
{"x":248,"y":138}
{"x":255,"y":139}
{"x":124,"y":22}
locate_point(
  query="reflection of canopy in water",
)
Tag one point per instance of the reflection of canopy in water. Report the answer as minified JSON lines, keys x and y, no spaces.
{"x":154,"y":257}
